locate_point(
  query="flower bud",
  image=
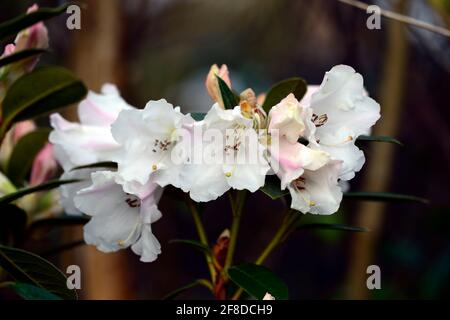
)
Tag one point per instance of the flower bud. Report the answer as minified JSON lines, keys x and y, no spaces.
{"x":212,"y":83}
{"x":44,"y":166}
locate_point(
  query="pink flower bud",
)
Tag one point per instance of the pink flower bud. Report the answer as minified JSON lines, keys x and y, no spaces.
{"x":22,"y":128}
{"x":44,"y":166}
{"x":35,"y":37}
{"x":212,"y":84}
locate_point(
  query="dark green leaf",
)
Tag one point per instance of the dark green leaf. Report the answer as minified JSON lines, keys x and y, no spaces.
{"x":379,"y":139}
{"x":172,"y":295}
{"x":42,"y":187}
{"x":19,"y":56}
{"x":280,"y":90}
{"x":40,"y":92}
{"x":29,"y":268}
{"x":198,"y":116}
{"x":258,"y":280}
{"x":228,"y":97}
{"x":272,"y":188}
{"x":328,"y":226}
{"x":384,"y":196}
{"x":31,"y":292}
{"x":195,"y":244}
{"x":13,"y":26}
{"x":23,"y":155}
{"x":106,"y":164}
{"x":13,"y":223}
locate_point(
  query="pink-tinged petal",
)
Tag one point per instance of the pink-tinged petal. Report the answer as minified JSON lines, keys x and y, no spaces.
{"x":289,"y":160}
{"x":21,"y":129}
{"x":104,"y":108}
{"x":9,"y":50}
{"x":44,"y":166}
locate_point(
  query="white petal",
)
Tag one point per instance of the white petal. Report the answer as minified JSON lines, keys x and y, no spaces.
{"x":147,"y":246}
{"x":78,"y":144}
{"x":69,"y":191}
{"x":287,"y":118}
{"x":321,"y":193}
{"x":102,"y":109}
{"x":147,"y":138}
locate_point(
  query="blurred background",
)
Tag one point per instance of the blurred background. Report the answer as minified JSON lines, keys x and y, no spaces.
{"x":155,"y":48}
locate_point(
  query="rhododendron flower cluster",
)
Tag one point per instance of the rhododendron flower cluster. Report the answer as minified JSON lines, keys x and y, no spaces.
{"x":307,"y":142}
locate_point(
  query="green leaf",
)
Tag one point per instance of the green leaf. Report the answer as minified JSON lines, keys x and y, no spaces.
{"x":29,"y":268}
{"x":384,"y":196}
{"x":172,"y":295}
{"x":19,"y":56}
{"x":272,"y":188}
{"x":282,"y":89}
{"x":13,"y":26}
{"x":198,"y":116}
{"x":106,"y":164}
{"x":42,"y":187}
{"x":13,"y":223}
{"x":379,"y":139}
{"x":192,"y":243}
{"x":328,"y":226}
{"x":228,"y":97}
{"x":40,"y":92}
{"x":23,"y":155}
{"x":31,"y":292}
{"x":258,"y":280}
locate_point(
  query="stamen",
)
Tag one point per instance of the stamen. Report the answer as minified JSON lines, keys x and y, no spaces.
{"x":319,"y":120}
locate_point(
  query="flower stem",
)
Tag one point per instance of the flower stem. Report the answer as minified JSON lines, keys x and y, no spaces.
{"x":236,"y":207}
{"x":203,"y":237}
{"x":287,"y":226}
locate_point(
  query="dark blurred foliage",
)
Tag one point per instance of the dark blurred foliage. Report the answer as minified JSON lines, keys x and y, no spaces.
{"x":167,"y":49}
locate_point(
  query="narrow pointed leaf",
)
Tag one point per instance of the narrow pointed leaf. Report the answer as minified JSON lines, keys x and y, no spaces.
{"x":23,"y":155}
{"x":258,"y":280}
{"x":172,"y":295}
{"x":29,"y":268}
{"x":379,"y":139}
{"x":40,"y":92}
{"x":280,"y":90}
{"x":19,"y":56}
{"x":31,"y":292}
{"x":42,"y":187}
{"x":384,"y":196}
{"x":106,"y":164}
{"x":194,"y":244}
{"x":328,"y":226}
{"x":13,"y":26}
{"x":228,"y":97}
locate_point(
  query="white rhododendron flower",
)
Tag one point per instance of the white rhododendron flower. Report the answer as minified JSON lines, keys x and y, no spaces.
{"x":342,"y":112}
{"x":147,"y":138}
{"x":90,"y":140}
{"x":120,"y":219}
{"x":308,"y":144}
{"x":232,"y":157}
{"x":318,"y":191}
{"x":289,"y":158}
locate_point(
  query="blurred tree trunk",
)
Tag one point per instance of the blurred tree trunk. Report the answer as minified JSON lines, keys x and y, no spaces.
{"x":96,"y":59}
{"x":381,"y":158}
